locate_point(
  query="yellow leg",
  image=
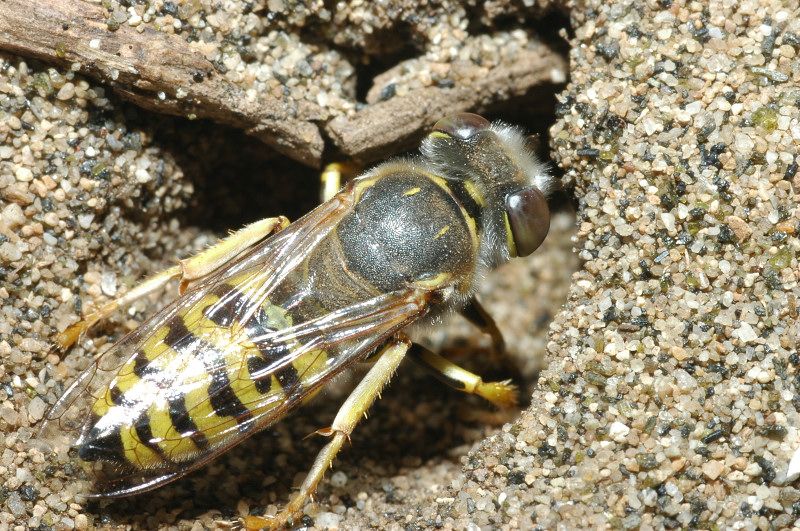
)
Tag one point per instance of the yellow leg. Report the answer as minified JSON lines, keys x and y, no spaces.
{"x":333,"y":176}
{"x":501,"y":394}
{"x":187,"y":270}
{"x":476,"y":314}
{"x":346,"y":419}
{"x":208,"y":261}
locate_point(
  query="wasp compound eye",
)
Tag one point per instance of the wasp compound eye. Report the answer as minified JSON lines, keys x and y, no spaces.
{"x":528,"y":218}
{"x":463,"y":125}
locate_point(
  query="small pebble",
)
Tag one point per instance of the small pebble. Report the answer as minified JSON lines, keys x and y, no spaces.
{"x":327,"y":520}
{"x":15,"y":504}
{"x":36,"y":409}
{"x":739,"y":227}
{"x":66,"y":92}
{"x":23,"y":174}
{"x":108,"y":283}
{"x":669,"y":221}
{"x":142,"y":176}
{"x":339,"y":479}
{"x":618,"y":431}
{"x":10,"y":252}
{"x":713,"y":469}
{"x":85,"y":220}
{"x":684,"y":380}
{"x":746,"y":333}
{"x":13,"y":216}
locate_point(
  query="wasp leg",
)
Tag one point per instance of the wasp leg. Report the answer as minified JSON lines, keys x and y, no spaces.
{"x":475,"y":313}
{"x":346,"y":419}
{"x":333,"y":175}
{"x":206,"y":262}
{"x":501,"y":394}
{"x":187,"y":270}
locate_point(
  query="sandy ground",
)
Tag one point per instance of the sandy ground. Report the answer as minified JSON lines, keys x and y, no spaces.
{"x":662,"y":314}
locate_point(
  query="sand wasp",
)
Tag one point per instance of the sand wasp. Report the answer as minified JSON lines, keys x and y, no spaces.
{"x":270,"y":314}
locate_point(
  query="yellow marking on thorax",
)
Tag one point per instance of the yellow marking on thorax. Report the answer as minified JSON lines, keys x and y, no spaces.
{"x":412,"y":191}
{"x":442,"y":232}
{"x":474,"y":193}
{"x":433,"y":282}
{"x":361,"y":185}
{"x":471,"y":224}
{"x":440,"y":181}
{"x":473,"y":228}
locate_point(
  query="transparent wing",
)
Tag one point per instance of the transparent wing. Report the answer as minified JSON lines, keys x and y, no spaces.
{"x":268,"y":261}
{"x":220,"y":363}
{"x":328,"y":344}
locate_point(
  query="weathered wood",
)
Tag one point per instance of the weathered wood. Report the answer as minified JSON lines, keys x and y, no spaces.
{"x":387,"y":126}
{"x":163,"y":73}
{"x":155,"y":70}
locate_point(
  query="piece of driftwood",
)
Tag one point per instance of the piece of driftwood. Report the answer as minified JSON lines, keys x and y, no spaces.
{"x":384,"y":126}
{"x":155,"y":70}
{"x":163,"y":73}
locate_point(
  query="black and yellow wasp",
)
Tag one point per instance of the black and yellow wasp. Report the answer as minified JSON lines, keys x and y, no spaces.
{"x":270,"y":314}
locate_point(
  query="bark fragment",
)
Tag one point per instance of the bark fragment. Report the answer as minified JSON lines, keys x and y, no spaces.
{"x":157,"y":71}
{"x":385,"y":126}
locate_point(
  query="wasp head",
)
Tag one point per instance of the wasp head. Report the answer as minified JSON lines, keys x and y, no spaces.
{"x":511,"y":183}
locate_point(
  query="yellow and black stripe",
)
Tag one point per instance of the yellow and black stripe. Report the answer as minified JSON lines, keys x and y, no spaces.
{"x":243,"y":375}
{"x":470,"y":198}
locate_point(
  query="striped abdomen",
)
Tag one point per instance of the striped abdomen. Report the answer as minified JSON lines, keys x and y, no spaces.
{"x":198,"y":381}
